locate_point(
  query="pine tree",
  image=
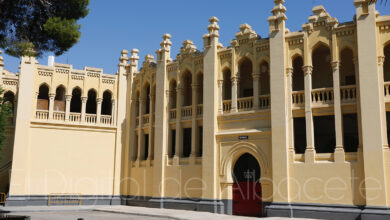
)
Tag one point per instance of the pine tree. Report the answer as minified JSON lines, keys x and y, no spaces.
{"x":5,"y":113}
{"x":33,"y":27}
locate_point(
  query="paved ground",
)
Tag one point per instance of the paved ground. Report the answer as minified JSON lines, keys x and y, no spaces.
{"x":113,"y":213}
{"x":85,"y":215}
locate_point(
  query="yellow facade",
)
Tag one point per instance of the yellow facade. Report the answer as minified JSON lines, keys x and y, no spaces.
{"x":169,"y":134}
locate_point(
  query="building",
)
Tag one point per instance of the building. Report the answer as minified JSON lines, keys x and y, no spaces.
{"x":227,"y":130}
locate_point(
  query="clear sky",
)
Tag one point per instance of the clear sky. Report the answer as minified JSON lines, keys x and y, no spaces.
{"x":125,"y":24}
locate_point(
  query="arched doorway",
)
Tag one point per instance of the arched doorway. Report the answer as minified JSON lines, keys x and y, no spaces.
{"x":247,"y":188}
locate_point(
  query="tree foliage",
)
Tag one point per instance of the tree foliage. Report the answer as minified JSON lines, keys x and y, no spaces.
{"x":33,"y":27}
{"x":5,"y":113}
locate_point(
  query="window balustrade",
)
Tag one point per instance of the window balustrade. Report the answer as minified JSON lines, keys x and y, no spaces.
{"x":186,"y":112}
{"x":323,"y":96}
{"x":245,"y":104}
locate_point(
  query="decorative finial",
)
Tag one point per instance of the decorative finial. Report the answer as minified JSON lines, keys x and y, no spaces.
{"x":124,"y":58}
{"x":149,"y":58}
{"x":166,"y":43}
{"x":134,"y":57}
{"x":213,"y":27}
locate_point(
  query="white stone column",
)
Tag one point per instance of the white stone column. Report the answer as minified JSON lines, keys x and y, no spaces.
{"x":68,"y":98}
{"x":141,"y":144}
{"x":310,"y":144}
{"x":234,"y":94}
{"x":289,"y":72}
{"x":113,"y":104}
{"x":256,"y":93}
{"x":151,"y":131}
{"x":98,"y":110}
{"x":220,"y":95}
{"x":179,"y":101}
{"x":83,"y":107}
{"x":194,"y":125}
{"x":51,"y":105}
{"x":338,"y":115}
{"x":381,"y":60}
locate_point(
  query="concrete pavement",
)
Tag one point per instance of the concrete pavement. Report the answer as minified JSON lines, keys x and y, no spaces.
{"x":118,"y":212}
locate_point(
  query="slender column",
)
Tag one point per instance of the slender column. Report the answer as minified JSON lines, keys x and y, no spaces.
{"x":256,"y":79}
{"x":310,"y":148}
{"x":68,"y":98}
{"x":338,"y":116}
{"x":113,"y":104}
{"x":289,"y":73}
{"x":381,"y":60}
{"x":151,"y":131}
{"x":51,"y":105}
{"x":359,"y":113}
{"x":234,"y":94}
{"x":98,"y":110}
{"x":140,"y":130}
{"x":83,"y":108}
{"x":221,"y":95}
{"x":179,"y":101}
{"x":194,"y":139}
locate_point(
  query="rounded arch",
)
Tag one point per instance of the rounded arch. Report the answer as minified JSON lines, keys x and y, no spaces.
{"x":91,"y":101}
{"x":231,"y":157}
{"x":227,"y":84}
{"x":322,"y":76}
{"x":347,"y":67}
{"x":60,"y":93}
{"x":246,"y":162}
{"x":245,"y":66}
{"x":75,"y":102}
{"x":319,"y":44}
{"x":107,"y":103}
{"x":298,"y":76}
{"x":172,"y":93}
{"x":43,"y":97}
{"x":9,"y":97}
{"x":186,"y":85}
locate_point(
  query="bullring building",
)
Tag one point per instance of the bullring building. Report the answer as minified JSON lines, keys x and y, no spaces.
{"x":293,"y":124}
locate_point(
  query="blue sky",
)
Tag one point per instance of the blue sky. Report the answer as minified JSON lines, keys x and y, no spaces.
{"x":125,"y":24}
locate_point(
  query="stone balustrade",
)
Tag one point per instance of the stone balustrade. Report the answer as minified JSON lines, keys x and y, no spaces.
{"x":323,"y":96}
{"x":245,"y":104}
{"x":186,"y":112}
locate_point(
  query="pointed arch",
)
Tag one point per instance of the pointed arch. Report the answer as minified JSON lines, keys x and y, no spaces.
{"x":43,"y":97}
{"x":227,"y":84}
{"x":75,"y":103}
{"x":107,"y":103}
{"x":322,"y":76}
{"x":245,"y":66}
{"x":91,"y":102}
{"x":59,"y":100}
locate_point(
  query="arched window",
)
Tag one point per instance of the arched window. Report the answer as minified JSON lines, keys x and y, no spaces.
{"x":386,"y":65}
{"x":264,"y":79}
{"x":106,"y":104}
{"x":9,"y":98}
{"x":227,"y":85}
{"x":43,"y":97}
{"x":59,"y":101}
{"x":172,"y":94}
{"x":347,"y":68}
{"x":187,"y":89}
{"x":75,"y":103}
{"x":147,"y":98}
{"x":322,"y":76}
{"x":298,"y":76}
{"x":246,"y":80}
{"x":200,"y":90}
{"x":91,"y":102}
